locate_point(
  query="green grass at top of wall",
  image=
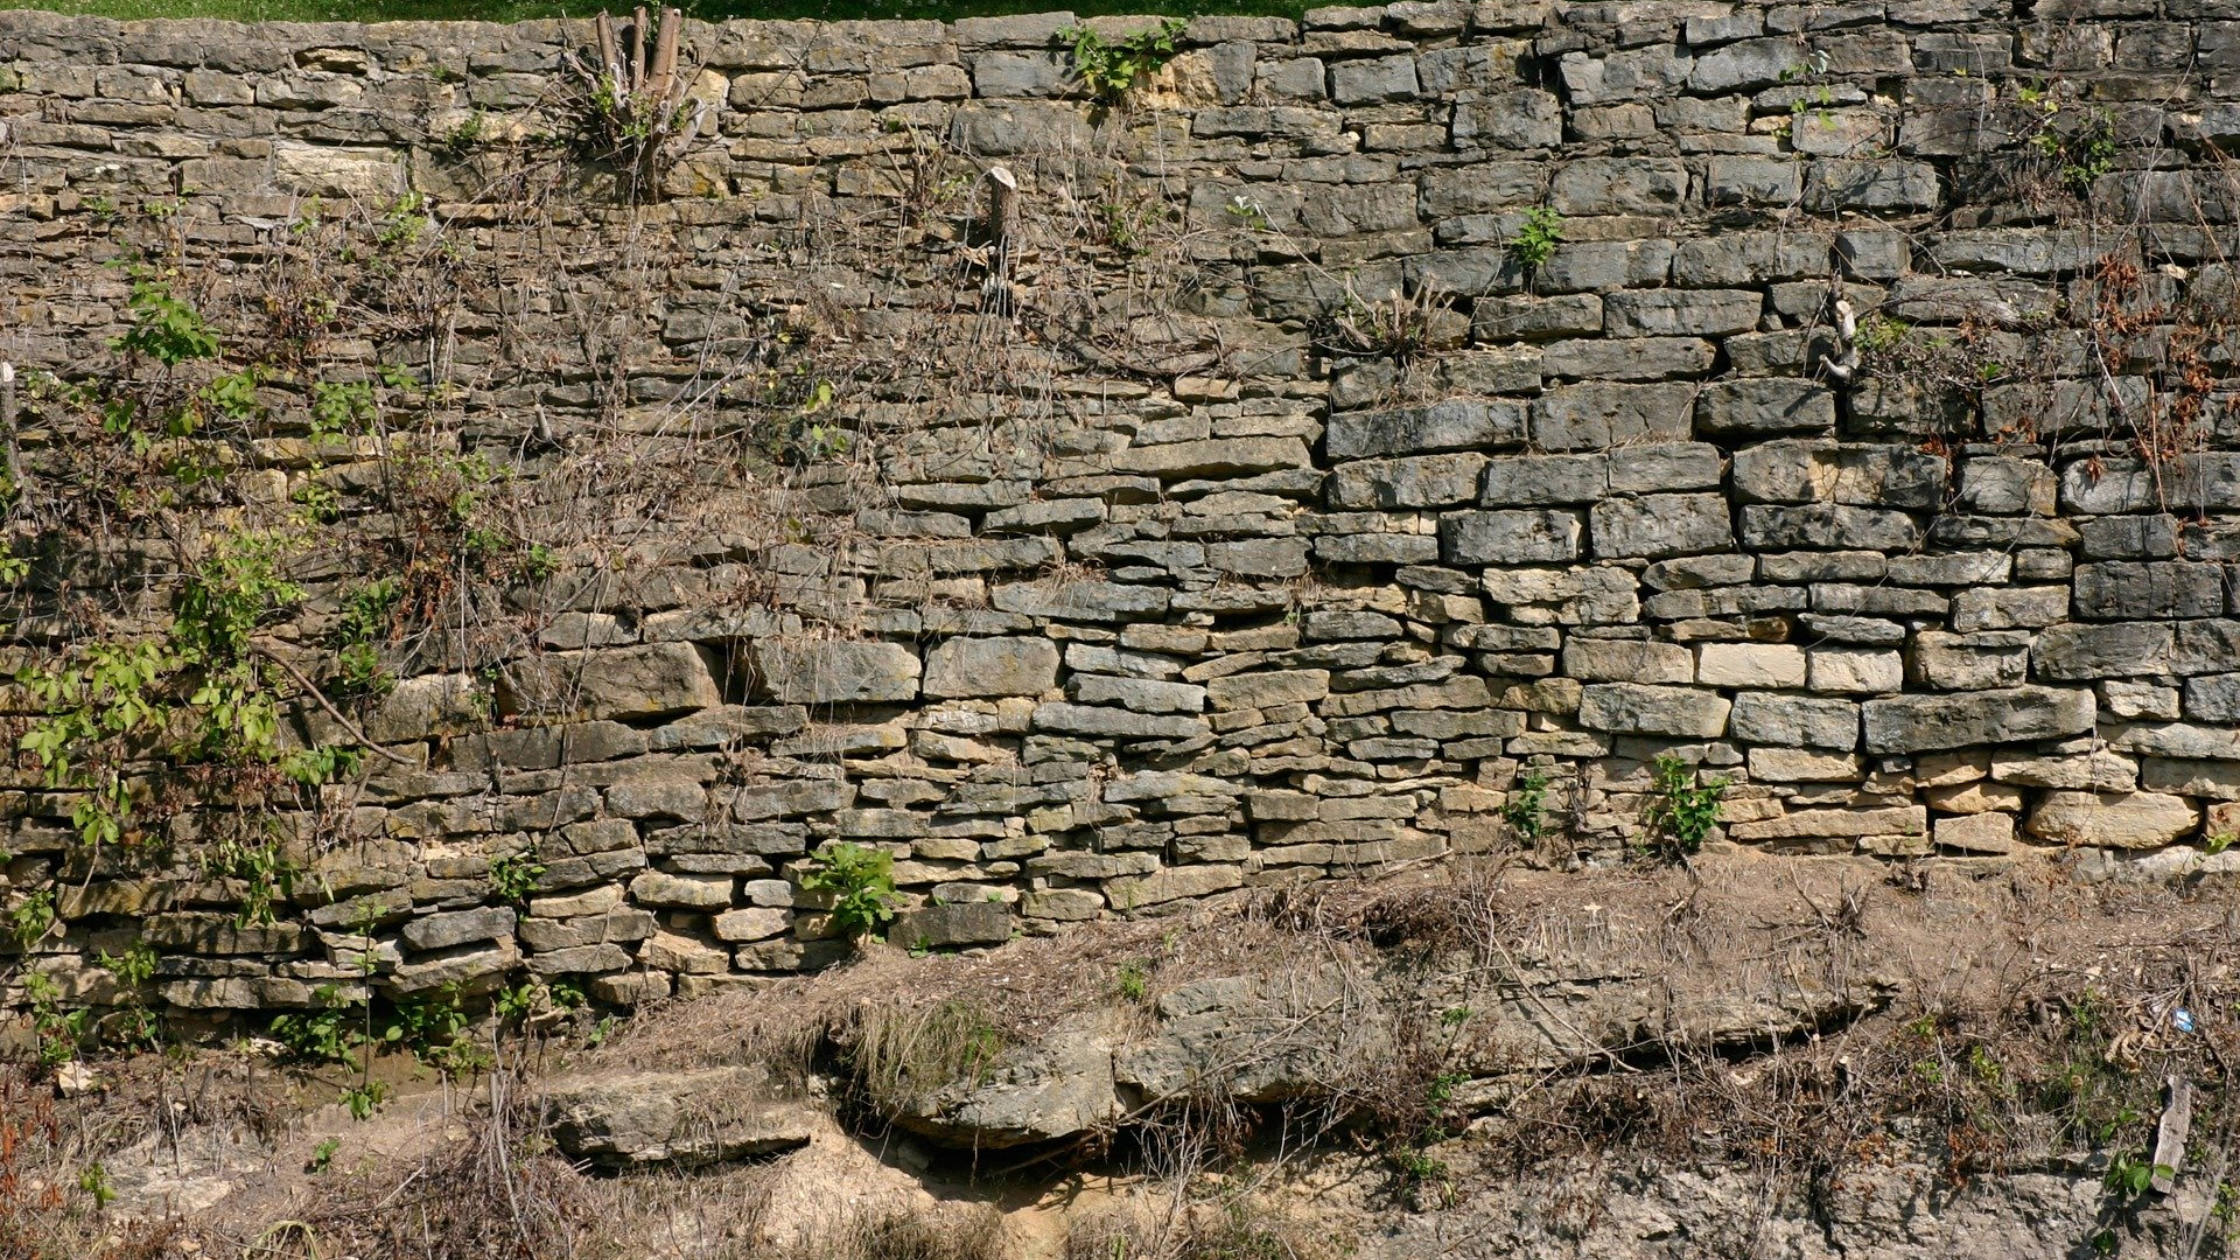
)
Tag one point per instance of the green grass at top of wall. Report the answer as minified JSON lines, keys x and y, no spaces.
{"x":521,"y":10}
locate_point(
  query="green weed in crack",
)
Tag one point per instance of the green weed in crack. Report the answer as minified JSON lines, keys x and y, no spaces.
{"x":1681,"y":810}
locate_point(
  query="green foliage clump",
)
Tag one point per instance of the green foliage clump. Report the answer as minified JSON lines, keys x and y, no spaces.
{"x":1536,"y":239}
{"x":1111,"y":68}
{"x":1526,"y":809}
{"x":860,"y":882}
{"x":1681,"y":810}
{"x":514,"y":876}
{"x":2079,"y":152}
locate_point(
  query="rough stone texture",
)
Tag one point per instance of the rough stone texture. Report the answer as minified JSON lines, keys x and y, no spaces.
{"x":683,"y":1118}
{"x":1205,"y":596}
{"x":990,"y":667}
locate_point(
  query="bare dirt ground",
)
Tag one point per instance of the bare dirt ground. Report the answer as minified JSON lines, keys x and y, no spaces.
{"x":1752,"y":1056}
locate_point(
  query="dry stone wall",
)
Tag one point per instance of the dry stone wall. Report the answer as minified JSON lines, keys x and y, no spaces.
{"x":1863,"y":439}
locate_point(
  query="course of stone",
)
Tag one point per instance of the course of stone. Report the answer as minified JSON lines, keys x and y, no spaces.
{"x":1389,"y":513}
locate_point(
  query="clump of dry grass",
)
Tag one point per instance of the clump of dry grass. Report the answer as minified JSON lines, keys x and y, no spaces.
{"x":1239,"y":1229}
{"x":490,"y":1188}
{"x":954,"y":1233}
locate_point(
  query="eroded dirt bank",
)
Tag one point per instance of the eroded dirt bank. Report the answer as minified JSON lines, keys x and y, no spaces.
{"x":1753,"y":1057}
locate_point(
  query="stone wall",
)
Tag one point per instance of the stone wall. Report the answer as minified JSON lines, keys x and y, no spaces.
{"x":1271,"y":507}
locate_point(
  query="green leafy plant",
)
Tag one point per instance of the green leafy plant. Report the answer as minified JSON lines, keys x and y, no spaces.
{"x":364,"y":1098}
{"x":1110,"y":69}
{"x":60,"y":1033}
{"x":29,"y":920}
{"x":341,"y":407}
{"x":1526,"y":810}
{"x":322,"y":1155}
{"x":132,"y":1024}
{"x":1681,"y":810}
{"x":94,"y":1180}
{"x":323,"y":1035}
{"x":860,"y":882}
{"x":513,"y":876}
{"x":2079,"y":152}
{"x":464,"y":135}
{"x":2131,"y":1174}
{"x":1134,"y":979}
{"x":1537,"y":237}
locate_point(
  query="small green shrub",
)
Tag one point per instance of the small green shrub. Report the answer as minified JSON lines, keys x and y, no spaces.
{"x":1526,"y":809}
{"x":860,"y":882}
{"x":514,"y":876}
{"x":323,"y":1035}
{"x":2079,"y":153}
{"x":1681,"y":811}
{"x":1135,"y":980}
{"x":1110,"y":69}
{"x":1536,"y":240}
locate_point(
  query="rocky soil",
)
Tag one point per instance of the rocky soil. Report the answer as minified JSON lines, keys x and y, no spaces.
{"x":1849,"y":1061}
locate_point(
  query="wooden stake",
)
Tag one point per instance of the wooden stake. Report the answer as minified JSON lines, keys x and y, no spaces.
{"x":638,"y":50}
{"x":664,"y":83}
{"x":1002,"y":227}
{"x":2170,"y":1134}
{"x":610,"y":53}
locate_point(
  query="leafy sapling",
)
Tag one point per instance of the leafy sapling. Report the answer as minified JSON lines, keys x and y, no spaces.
{"x":860,"y":882}
{"x":1682,"y":810}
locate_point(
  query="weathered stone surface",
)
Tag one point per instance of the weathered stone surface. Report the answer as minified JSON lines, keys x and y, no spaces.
{"x":683,"y":1118}
{"x":2124,"y":649}
{"x":1264,"y":541}
{"x":651,"y":680}
{"x":1640,"y":709}
{"x":1681,"y":313}
{"x":1750,"y":665}
{"x":1261,"y":690}
{"x":1856,"y":670}
{"x":1055,"y":1087}
{"x":1596,"y":416}
{"x":1420,"y":481}
{"x":1794,"y":721}
{"x":1659,"y":525}
{"x":1896,"y":821}
{"x":1459,"y":424}
{"x":698,"y":892}
{"x":2119,"y":590}
{"x":1519,"y":537}
{"x":940,"y":926}
{"x":990,"y":667}
{"x":1756,"y":407}
{"x":838,"y":671}
{"x":2005,"y":716}
{"x":2114,"y":820}
{"x":435,"y":704}
{"x":459,"y":927}
{"x":1078,"y":719}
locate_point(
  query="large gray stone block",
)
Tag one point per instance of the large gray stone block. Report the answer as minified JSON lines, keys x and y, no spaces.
{"x":1681,"y":312}
{"x":963,"y":668}
{"x":2014,"y":715}
{"x":649,"y":680}
{"x":837,"y":671}
{"x":1458,"y":424}
{"x":1642,"y":709}
{"x":1515,"y":537}
{"x":1658,"y":525}
{"x":1765,"y":406}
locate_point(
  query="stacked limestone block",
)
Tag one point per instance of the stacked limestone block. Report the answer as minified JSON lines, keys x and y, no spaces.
{"x":1282,"y":607}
